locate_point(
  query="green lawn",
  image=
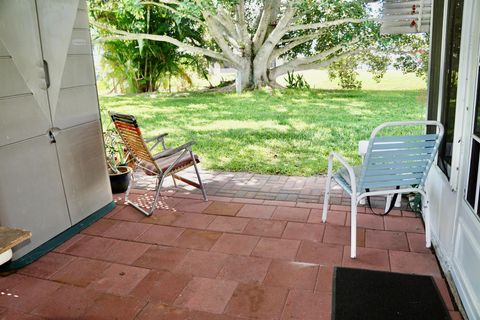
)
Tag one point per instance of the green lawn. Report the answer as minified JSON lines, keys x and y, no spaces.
{"x":287,"y":132}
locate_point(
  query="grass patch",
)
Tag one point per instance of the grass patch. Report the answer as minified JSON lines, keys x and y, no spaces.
{"x":288,"y":132}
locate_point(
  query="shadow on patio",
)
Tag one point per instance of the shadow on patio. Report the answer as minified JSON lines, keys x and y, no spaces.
{"x":227,"y":258}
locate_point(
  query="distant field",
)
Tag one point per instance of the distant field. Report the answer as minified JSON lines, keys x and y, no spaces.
{"x":288,"y":132}
{"x":392,"y":80}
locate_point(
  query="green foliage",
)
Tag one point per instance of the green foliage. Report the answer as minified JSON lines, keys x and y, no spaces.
{"x":144,"y":65}
{"x":296,"y":81}
{"x":346,"y":72}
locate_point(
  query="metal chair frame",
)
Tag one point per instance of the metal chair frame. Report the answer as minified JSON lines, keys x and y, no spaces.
{"x":132,"y":138}
{"x":390,"y":162}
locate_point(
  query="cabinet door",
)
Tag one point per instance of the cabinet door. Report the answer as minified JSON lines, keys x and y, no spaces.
{"x":84,"y":170}
{"x":65,"y":38}
{"x":24,"y":109}
{"x":31,"y":192}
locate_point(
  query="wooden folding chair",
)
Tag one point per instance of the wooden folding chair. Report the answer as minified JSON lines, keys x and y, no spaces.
{"x":166,"y":163}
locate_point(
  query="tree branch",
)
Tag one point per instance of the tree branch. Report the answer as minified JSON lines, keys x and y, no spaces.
{"x":124,"y":35}
{"x":268,"y":14}
{"x":293,"y":42}
{"x":295,"y":63}
{"x":327,"y":24}
{"x":274,"y":37}
{"x":215,"y":30}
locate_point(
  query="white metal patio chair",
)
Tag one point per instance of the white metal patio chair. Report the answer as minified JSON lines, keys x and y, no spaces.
{"x":392,"y":164}
{"x":166,"y":163}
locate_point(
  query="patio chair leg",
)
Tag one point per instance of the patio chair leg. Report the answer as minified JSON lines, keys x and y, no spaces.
{"x":353,"y":230}
{"x":132,"y":179}
{"x":328,"y":185}
{"x":174,"y":181}
{"x":426,"y":217}
{"x":388,"y":202}
{"x":157,"y":193}
{"x":202,"y":187}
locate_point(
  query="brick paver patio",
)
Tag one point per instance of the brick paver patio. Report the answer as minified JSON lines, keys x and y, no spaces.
{"x":258,"y":186}
{"x":228,"y":258}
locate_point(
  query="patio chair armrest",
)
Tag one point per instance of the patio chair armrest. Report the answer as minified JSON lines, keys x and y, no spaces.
{"x":169,"y":152}
{"x":346,"y":165}
{"x":158,"y":139}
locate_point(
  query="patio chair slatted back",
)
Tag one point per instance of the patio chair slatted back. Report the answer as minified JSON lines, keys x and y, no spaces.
{"x":131,"y":135}
{"x":396,"y":161}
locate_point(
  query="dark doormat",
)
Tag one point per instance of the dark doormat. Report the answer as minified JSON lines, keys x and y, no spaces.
{"x":372,"y":295}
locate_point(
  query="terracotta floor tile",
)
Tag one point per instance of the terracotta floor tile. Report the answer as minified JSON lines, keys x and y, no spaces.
{"x":367,"y":258}
{"x":386,"y":240}
{"x":324,"y":279}
{"x":417,"y":243}
{"x":126,"y":230}
{"x":245,"y":269}
{"x":304,"y":231}
{"x":258,"y":302}
{"x":320,"y":253}
{"x":129,"y":213}
{"x":165,"y":218}
{"x":161,"y":286}
{"x":196,"y":239}
{"x":368,"y":221}
{"x":341,"y":235}
{"x":119,"y":205}
{"x":307,"y":305}
{"x":276,"y":248}
{"x":119,"y":279}
{"x":26,"y":293}
{"x":80,"y":272}
{"x":223,"y":208}
{"x":228,"y":224}
{"x":404,"y":224}
{"x":265,"y":228}
{"x":256,"y":211}
{"x":443,"y":288}
{"x":67,"y":302}
{"x":159,"y":311}
{"x":192,"y":205}
{"x":10,"y":314}
{"x":202,"y":263}
{"x":125,"y":251}
{"x":161,"y":258}
{"x":193,"y":220}
{"x":291,"y":214}
{"x":455,"y":315}
{"x":412,"y":262}
{"x":235,"y":244}
{"x":157,"y":234}
{"x":46,"y":265}
{"x":108,"y":306}
{"x":69,"y":243}
{"x":91,"y":247}
{"x":333,"y":217}
{"x":201,"y":315}
{"x":291,"y":274}
{"x":209,"y":295}
{"x":99,"y":227}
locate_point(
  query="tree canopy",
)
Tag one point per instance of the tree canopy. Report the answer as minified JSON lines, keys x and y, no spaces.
{"x":143,"y":65}
{"x":265,"y":39}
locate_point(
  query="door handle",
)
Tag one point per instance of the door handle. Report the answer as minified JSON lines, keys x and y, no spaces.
{"x":47,"y":73}
{"x":52,"y":134}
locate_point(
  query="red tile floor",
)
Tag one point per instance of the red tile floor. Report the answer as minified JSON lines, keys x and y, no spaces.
{"x":222,"y":259}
